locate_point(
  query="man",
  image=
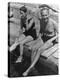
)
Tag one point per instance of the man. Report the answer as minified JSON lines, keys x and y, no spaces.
{"x":29,"y":32}
{"x":48,"y":31}
{"x":49,"y":28}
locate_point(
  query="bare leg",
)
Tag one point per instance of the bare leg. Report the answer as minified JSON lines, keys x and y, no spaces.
{"x":22,"y":37}
{"x":36,"y":57}
{"x":27,"y":39}
{"x":34,"y":60}
{"x":21,"y":54}
{"x":17,"y":42}
{"x":36,"y":44}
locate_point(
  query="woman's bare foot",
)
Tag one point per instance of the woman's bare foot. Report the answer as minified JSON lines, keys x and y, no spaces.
{"x":19,"y":59}
{"x":29,"y":48}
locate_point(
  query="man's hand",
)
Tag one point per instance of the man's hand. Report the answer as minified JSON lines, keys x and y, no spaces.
{"x":23,"y":30}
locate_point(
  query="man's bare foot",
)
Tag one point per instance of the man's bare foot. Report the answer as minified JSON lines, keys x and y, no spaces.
{"x":19,"y":59}
{"x":27,"y":71}
{"x":25,"y":74}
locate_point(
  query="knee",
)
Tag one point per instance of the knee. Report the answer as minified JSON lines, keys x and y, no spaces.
{"x":30,"y":37}
{"x":21,"y":43}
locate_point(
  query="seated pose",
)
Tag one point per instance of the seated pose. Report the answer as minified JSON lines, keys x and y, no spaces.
{"x":29,"y":32}
{"x":49,"y":27}
{"x":48,"y":31}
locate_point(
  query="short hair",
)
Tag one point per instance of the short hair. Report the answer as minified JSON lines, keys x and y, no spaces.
{"x":44,"y":8}
{"x":24,"y":9}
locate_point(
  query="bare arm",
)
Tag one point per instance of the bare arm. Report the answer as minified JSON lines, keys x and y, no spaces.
{"x":56,"y":30}
{"x":37,"y":26}
{"x":28,"y":25}
{"x":55,"y":26}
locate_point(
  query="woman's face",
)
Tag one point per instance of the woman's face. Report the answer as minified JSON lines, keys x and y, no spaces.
{"x":22,"y":13}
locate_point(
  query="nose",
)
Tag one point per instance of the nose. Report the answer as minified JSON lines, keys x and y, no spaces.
{"x":45,"y":17}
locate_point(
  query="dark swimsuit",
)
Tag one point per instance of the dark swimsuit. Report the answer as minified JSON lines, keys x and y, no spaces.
{"x":31,"y":31}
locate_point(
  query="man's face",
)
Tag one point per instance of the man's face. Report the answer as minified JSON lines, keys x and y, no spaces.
{"x":45,"y":15}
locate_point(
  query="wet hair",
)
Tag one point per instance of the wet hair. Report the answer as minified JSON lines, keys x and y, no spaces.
{"x":24,"y":9}
{"x":44,"y":8}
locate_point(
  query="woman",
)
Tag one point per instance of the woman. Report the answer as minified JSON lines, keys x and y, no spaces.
{"x":29,"y":32}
